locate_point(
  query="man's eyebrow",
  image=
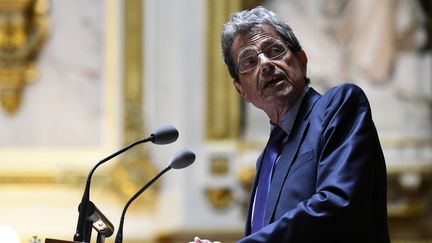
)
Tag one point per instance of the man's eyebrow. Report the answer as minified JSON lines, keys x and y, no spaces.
{"x":270,"y":41}
{"x":265,"y":42}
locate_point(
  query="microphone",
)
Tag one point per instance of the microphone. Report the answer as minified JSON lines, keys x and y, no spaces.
{"x":181,"y":159}
{"x":163,"y":135}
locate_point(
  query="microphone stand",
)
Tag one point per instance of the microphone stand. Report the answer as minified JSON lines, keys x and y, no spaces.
{"x":100,"y":223}
{"x":84,"y":226}
{"x":163,"y":135}
{"x":119,"y":236}
{"x":181,"y":159}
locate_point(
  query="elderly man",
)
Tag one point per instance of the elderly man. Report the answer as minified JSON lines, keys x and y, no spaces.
{"x":322,"y":175}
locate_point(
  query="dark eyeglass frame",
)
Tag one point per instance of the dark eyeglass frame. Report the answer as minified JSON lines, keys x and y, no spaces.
{"x":284,"y":47}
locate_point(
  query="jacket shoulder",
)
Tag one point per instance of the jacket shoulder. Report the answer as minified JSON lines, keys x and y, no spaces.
{"x":346,"y":92}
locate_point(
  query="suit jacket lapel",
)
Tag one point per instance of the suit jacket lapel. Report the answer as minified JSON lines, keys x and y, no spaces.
{"x":290,"y":150}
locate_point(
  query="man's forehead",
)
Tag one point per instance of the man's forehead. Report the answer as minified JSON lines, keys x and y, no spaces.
{"x":252,"y":37}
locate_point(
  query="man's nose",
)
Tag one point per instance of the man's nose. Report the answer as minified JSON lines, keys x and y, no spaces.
{"x":264,"y":63}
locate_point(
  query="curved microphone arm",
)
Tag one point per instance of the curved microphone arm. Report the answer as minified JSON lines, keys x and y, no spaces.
{"x":84,"y":227}
{"x":119,"y":236}
{"x":163,"y":135}
{"x":181,"y":159}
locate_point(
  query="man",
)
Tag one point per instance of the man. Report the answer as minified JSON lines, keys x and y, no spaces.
{"x":324,"y":178}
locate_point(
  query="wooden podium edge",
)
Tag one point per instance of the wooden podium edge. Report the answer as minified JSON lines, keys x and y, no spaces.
{"x":48,"y":240}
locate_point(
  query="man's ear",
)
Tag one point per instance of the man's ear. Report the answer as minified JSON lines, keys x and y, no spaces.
{"x":239,"y":89}
{"x":301,"y":56}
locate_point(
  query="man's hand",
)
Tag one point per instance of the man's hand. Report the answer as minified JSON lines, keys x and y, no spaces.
{"x":198,"y":240}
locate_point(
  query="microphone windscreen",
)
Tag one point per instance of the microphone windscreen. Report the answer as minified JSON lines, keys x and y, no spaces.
{"x":165,"y":135}
{"x":182,"y":159}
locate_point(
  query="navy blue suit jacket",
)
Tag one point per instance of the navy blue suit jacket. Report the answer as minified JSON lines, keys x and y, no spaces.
{"x":329,"y":184}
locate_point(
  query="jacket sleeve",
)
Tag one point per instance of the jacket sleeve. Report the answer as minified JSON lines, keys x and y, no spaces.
{"x":339,"y":210}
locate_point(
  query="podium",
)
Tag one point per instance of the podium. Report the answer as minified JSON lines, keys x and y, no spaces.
{"x":47,"y":240}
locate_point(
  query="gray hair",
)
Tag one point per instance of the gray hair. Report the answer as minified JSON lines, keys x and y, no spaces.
{"x":247,"y":20}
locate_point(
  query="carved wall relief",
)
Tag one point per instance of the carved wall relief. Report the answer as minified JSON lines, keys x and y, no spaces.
{"x":23,"y":30}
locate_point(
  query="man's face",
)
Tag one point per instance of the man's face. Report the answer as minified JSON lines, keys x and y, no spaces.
{"x":274,"y":84}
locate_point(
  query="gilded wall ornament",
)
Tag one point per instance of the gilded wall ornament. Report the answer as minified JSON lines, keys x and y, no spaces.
{"x":23,"y":30}
{"x":135,"y":167}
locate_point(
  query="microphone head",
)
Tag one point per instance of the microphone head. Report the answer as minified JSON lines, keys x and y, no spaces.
{"x":182,"y":159}
{"x":164,"y":135}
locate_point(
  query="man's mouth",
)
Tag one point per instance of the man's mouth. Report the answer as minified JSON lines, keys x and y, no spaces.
{"x":272,"y":81}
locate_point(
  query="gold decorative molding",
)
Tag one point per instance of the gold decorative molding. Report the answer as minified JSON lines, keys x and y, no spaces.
{"x":42,"y":165}
{"x":224,"y":112}
{"x":219,"y":165}
{"x":221,"y":197}
{"x":23,"y":29}
{"x":49,"y":178}
{"x":134,"y":168}
{"x":223,"y":104}
{"x":406,"y":142}
{"x":248,"y":4}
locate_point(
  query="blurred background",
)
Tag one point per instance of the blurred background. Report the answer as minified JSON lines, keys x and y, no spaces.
{"x":81,"y":79}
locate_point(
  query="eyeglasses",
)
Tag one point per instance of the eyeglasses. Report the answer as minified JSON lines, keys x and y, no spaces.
{"x":248,"y":57}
